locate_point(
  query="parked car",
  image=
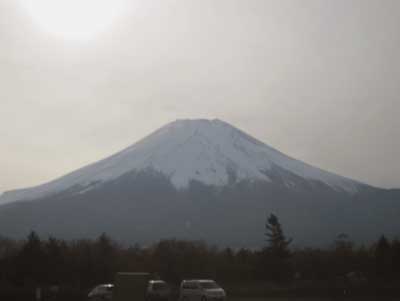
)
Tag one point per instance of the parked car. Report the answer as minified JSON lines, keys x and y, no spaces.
{"x":201,"y":290}
{"x":101,"y":292}
{"x":158,"y":290}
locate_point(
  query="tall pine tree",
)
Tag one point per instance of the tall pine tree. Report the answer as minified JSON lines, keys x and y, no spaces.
{"x":277,"y":242}
{"x":276,"y":254}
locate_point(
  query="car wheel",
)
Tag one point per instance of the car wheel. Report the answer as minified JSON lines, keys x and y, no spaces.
{"x":203,"y":298}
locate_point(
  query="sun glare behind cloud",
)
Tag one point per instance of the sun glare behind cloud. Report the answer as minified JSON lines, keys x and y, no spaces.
{"x":74,"y":19}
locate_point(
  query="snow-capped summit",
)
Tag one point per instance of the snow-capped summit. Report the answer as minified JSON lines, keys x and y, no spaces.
{"x":209,"y":151}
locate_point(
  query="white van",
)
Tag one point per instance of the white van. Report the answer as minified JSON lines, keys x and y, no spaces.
{"x":201,"y":290}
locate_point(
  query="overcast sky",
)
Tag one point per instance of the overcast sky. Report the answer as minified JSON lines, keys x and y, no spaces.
{"x":318,"y":80}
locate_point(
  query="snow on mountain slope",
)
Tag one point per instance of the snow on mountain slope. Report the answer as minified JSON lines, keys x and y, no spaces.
{"x":204,"y":150}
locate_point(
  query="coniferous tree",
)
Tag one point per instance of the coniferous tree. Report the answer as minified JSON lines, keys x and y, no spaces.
{"x":278,"y":244}
{"x":276,"y":255}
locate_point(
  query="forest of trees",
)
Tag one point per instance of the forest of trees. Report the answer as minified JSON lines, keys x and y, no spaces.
{"x":79,"y":265}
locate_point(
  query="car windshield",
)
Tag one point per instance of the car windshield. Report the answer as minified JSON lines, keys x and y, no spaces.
{"x":158,"y":286}
{"x":208,"y":285}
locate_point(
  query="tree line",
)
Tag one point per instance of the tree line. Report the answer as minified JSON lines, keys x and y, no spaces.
{"x":81,"y":264}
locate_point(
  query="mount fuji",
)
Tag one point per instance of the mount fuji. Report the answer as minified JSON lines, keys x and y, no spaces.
{"x":201,"y":179}
{"x":211,"y":152}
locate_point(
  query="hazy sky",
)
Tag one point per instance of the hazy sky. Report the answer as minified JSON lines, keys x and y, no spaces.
{"x":319,"y":80}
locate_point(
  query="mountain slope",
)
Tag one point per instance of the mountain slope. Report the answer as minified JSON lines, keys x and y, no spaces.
{"x":145,"y":207}
{"x":211,"y":152}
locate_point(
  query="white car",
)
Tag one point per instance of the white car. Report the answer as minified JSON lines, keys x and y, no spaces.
{"x":201,"y":290}
{"x":101,"y":292}
{"x":158,"y":290}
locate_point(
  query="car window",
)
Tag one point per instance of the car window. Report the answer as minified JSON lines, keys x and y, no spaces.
{"x":189,"y":285}
{"x":208,"y":285}
{"x":160,"y":286}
